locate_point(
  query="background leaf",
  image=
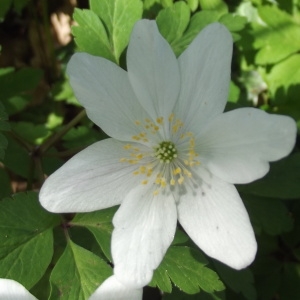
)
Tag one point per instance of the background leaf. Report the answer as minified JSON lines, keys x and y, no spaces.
{"x":24,"y":239}
{"x":77,"y":274}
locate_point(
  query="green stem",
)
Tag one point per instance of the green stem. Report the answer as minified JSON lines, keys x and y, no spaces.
{"x":57,"y":136}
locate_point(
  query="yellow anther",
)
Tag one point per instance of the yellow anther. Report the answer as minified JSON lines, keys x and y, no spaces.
{"x":163,"y":182}
{"x":136,"y":138}
{"x":158,"y":180}
{"x":137,"y":122}
{"x":139,"y":156}
{"x":144,"y":181}
{"x":171,"y":117}
{"x":186,"y":172}
{"x":172,"y":181}
{"x":160,"y":120}
{"x":181,"y":180}
{"x":136,"y":173}
{"x":123,"y":159}
{"x":127,"y":146}
{"x":156,"y":128}
{"x":177,"y":171}
{"x":142,"y":169}
{"x":147,"y":120}
{"x":142,"y":134}
{"x":155,"y":193}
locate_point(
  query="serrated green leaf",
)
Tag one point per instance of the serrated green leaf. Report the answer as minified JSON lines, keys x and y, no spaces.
{"x":186,"y":267}
{"x":25,"y":238}
{"x":278,"y":39}
{"x":267,"y":214}
{"x":77,"y":274}
{"x":284,"y":85}
{"x":173,"y":21}
{"x":197,"y":23}
{"x":239,"y":281}
{"x":282,"y":181}
{"x":90,"y":35}
{"x":119,"y":16}
{"x":233,"y":22}
{"x":99,"y":223}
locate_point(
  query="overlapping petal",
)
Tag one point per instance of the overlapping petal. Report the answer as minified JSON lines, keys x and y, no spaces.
{"x":91,"y":180}
{"x":13,"y":290}
{"x":205,"y":76}
{"x":214,"y":216}
{"x":112,"y":289}
{"x":153,"y":70}
{"x":237,"y":146}
{"x":104,"y":90}
{"x":144,"y":228}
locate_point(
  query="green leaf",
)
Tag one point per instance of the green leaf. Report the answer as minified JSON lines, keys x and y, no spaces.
{"x":77,"y":274}
{"x":278,"y":39}
{"x":197,"y":23}
{"x":16,"y":158}
{"x":173,"y":21}
{"x":26,"y":238}
{"x":233,"y":22}
{"x":34,"y":134}
{"x":267,"y":214}
{"x":216,"y":5}
{"x":81,"y":136}
{"x":4,"y":7}
{"x":186,"y":267}
{"x":14,"y":87}
{"x":282,"y":181}
{"x":90,"y":35}
{"x":284,"y":85}
{"x":99,"y":223}
{"x":239,"y":281}
{"x":290,"y":288}
{"x":118,"y":16}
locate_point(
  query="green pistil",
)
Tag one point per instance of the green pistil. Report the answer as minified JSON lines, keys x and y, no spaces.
{"x":166,"y":152}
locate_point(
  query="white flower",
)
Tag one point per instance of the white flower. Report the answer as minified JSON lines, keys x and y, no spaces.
{"x":112,"y":289}
{"x":173,"y":154}
{"x":12,"y":290}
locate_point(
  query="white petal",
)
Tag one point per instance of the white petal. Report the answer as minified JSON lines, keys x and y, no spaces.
{"x":205,"y":76}
{"x":144,"y":228}
{"x":104,"y":90}
{"x":214,"y":216}
{"x":112,"y":289}
{"x":237,"y":146}
{"x":153,"y":70}
{"x":92,"y":179}
{"x":13,"y":290}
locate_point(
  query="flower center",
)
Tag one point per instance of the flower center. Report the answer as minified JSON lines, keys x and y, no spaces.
{"x":169,"y":163}
{"x":165,"y":152}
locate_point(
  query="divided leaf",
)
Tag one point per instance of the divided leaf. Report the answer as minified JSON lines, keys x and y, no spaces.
{"x":77,"y":274}
{"x":26,"y":238}
{"x":118,"y":16}
{"x":90,"y":35}
{"x":186,"y":267}
{"x":278,"y":39}
{"x":99,"y":223}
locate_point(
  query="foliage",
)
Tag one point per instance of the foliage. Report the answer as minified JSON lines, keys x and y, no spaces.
{"x":68,"y":256}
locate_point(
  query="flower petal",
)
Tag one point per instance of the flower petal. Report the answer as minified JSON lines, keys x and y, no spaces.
{"x":92,"y":179}
{"x":104,"y":90}
{"x":144,"y":228}
{"x":12,"y":290}
{"x":237,"y":146}
{"x":215,"y":218}
{"x":153,"y":70}
{"x":112,"y":289}
{"x":205,"y":76}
